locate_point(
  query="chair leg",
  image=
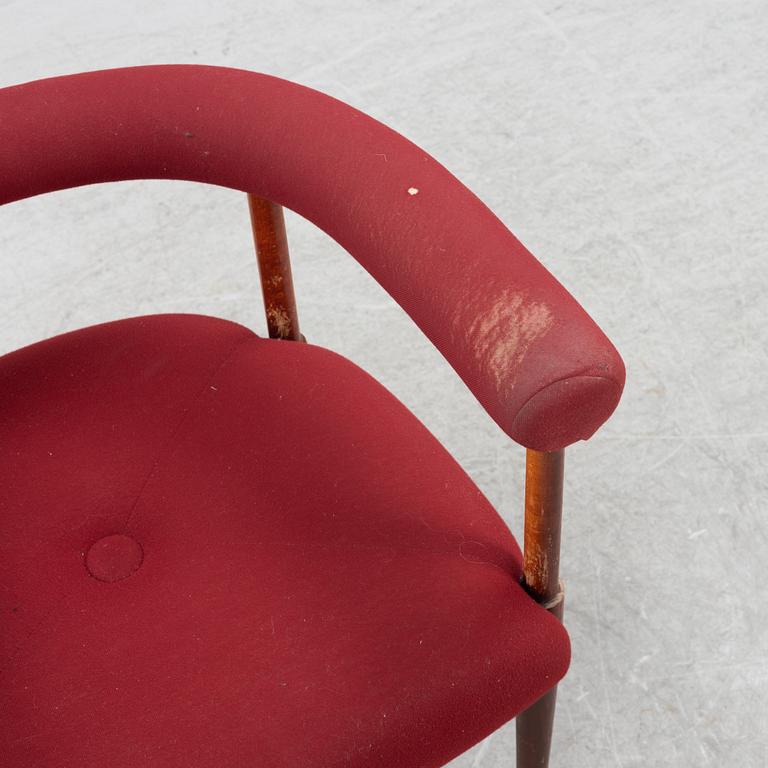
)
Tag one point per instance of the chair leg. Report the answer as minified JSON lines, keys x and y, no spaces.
{"x":534,"y":725}
{"x":541,"y":578}
{"x":534,"y":732}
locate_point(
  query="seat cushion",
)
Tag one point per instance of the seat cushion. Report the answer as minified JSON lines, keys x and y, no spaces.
{"x":224,"y":551}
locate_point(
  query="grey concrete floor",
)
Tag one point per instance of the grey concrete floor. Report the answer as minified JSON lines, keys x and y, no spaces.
{"x":626,"y":144}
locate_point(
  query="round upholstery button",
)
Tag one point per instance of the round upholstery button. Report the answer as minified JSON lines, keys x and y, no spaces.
{"x":114,"y":557}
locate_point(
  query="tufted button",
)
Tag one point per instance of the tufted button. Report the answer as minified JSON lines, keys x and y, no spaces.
{"x":114,"y":557}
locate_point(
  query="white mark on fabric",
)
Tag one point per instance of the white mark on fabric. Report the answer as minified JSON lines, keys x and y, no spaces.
{"x":502,"y":336}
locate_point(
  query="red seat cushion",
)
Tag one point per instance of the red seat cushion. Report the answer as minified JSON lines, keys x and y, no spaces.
{"x":221,"y":550}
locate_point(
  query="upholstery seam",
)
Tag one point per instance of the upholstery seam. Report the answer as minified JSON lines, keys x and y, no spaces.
{"x":558,"y":381}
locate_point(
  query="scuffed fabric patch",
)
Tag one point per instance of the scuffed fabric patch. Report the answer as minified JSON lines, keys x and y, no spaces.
{"x":501,"y":337}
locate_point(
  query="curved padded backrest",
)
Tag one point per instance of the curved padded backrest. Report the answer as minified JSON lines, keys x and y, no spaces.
{"x":534,"y":359}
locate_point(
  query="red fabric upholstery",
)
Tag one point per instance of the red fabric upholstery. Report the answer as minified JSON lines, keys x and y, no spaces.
{"x":223,"y":551}
{"x":535,"y":360}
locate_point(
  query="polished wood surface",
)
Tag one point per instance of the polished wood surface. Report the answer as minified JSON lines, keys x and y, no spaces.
{"x":533,"y":731}
{"x":543,"y":513}
{"x":271,"y":243}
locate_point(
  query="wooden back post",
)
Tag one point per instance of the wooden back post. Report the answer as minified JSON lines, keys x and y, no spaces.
{"x":268,"y":224}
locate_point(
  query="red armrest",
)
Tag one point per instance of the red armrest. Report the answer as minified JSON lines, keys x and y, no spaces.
{"x":531,"y":355}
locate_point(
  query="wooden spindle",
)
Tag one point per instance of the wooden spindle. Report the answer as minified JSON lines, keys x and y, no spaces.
{"x":541,"y":578}
{"x":543,"y":515}
{"x":271,"y":243}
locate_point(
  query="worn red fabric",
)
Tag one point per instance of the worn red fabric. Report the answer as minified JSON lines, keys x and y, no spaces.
{"x":535,"y":360}
{"x":288,"y":569}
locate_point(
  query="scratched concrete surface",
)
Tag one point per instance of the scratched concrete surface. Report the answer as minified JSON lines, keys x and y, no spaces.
{"x":625,"y":143}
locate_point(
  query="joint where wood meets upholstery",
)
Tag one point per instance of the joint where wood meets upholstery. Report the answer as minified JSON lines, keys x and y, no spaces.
{"x":554,"y":603}
{"x":254,"y":553}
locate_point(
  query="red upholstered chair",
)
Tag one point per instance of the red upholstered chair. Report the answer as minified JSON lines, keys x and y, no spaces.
{"x":219,"y":550}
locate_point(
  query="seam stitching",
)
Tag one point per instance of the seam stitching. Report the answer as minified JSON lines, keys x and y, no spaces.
{"x":557,"y":381}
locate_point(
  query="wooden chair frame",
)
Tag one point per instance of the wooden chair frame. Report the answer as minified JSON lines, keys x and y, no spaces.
{"x":543,"y":473}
